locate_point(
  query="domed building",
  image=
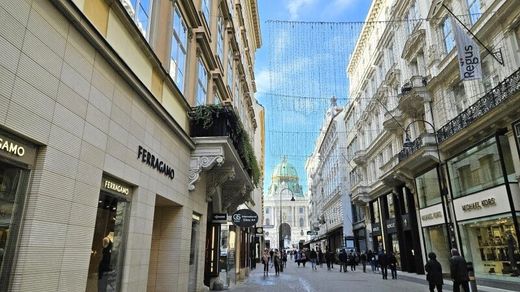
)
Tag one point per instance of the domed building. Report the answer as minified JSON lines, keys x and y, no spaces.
{"x":285,"y":192}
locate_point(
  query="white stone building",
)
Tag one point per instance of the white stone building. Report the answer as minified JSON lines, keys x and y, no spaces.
{"x":294,"y":216}
{"x":405,"y":86}
{"x":331,"y":212}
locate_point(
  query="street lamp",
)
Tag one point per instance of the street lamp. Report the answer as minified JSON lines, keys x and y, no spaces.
{"x":444,"y":191}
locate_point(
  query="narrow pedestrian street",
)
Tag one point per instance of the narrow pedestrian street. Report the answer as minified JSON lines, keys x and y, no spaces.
{"x":301,"y":279}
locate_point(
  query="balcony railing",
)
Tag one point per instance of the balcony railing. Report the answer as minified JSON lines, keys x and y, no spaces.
{"x":407,"y":151}
{"x":492,"y":99}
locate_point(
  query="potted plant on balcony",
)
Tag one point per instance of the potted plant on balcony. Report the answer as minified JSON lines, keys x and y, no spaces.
{"x":219,"y":120}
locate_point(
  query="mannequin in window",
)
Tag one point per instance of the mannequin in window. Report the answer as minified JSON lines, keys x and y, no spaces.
{"x":104,"y":264}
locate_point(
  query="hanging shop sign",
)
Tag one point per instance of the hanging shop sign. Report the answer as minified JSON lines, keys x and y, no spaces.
{"x":219,"y":218}
{"x":244,"y":218}
{"x":376,"y":230}
{"x":16,"y":149}
{"x":488,"y":202}
{"x":432,"y":215}
{"x":259,"y":231}
{"x":109,"y":184}
{"x":390,"y":226}
{"x":154,"y":162}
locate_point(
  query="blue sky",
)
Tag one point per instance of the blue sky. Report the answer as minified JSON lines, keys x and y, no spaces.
{"x":301,"y":65}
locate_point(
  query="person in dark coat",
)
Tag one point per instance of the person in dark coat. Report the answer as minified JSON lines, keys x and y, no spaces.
{"x":392,"y":262}
{"x":320,"y":257}
{"x":383,"y":263}
{"x":342,"y":261}
{"x":328,"y":257}
{"x":363,"y":258}
{"x":458,"y":271}
{"x":434,"y":273}
{"x":313,"y":256}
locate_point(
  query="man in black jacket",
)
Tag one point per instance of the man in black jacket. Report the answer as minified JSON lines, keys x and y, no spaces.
{"x":383,"y":263}
{"x":434,"y":273}
{"x":458,"y":271}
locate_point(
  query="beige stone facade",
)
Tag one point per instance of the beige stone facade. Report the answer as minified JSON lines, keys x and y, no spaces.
{"x":90,"y":89}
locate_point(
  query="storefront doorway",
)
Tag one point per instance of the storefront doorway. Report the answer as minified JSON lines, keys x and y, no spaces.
{"x":13,"y":184}
{"x":106,"y":260}
{"x":194,"y":255}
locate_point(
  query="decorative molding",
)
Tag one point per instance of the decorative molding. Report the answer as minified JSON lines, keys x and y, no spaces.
{"x":203,"y":159}
{"x":217,"y":179}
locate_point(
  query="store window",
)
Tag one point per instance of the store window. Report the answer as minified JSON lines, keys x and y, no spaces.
{"x":436,"y":240}
{"x":476,"y":169}
{"x":428,"y":188}
{"x":491,"y":244}
{"x":374,"y":207}
{"x":391,"y":205}
{"x":106,"y":260}
{"x":179,"y":47}
{"x":13,"y":185}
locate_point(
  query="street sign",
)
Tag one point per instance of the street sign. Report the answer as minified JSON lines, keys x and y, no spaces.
{"x":219,"y":218}
{"x":312,"y":232}
{"x":244,"y":218}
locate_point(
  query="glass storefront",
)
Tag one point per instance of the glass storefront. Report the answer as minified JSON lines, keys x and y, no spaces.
{"x":394,"y":241}
{"x":476,"y":169}
{"x":436,"y":240}
{"x":13,"y":183}
{"x":492,"y":245}
{"x":428,"y":189}
{"x":106,"y":261}
{"x":391,"y":205}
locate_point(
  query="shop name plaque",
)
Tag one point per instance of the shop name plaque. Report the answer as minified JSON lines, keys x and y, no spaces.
{"x":110,"y":185}
{"x":490,"y":202}
{"x":11,"y":147}
{"x":431,"y":216}
{"x":155,"y":163}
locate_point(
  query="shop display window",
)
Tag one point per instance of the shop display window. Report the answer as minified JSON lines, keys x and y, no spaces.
{"x":428,"y":189}
{"x":13,"y":184}
{"x":476,"y":169}
{"x":375,"y":211}
{"x":106,"y":261}
{"x":391,"y":205}
{"x":492,"y":245}
{"x":436,"y":240}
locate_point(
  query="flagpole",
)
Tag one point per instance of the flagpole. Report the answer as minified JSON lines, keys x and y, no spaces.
{"x":474,"y":36}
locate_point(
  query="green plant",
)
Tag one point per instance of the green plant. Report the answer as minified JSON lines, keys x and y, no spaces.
{"x":205,"y":115}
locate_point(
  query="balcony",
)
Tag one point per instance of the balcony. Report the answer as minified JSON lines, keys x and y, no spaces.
{"x":413,"y":96}
{"x":501,"y":94}
{"x":224,"y":152}
{"x":387,"y":176}
{"x":393,"y":120}
{"x":360,"y":194}
{"x":421,"y":155}
{"x":360,"y":157}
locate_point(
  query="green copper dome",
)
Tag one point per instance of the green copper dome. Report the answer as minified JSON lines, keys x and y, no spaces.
{"x":285,"y":170}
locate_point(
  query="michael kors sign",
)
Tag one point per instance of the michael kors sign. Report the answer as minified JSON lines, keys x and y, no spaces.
{"x":479,"y":205}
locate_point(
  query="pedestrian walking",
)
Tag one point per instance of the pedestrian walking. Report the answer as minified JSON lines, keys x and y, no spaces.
{"x":352,"y":260}
{"x":284,"y":259}
{"x":328,"y":258}
{"x":276,"y":262}
{"x":392,"y":262}
{"x":372,"y":259}
{"x":383,"y":263}
{"x":320,"y":257}
{"x":304,"y":257}
{"x":271,"y":254}
{"x":265,"y":262}
{"x":298,"y":257}
{"x":343,"y":258}
{"x":363,"y":258}
{"x":313,"y":256}
{"x":459,"y":271}
{"x":434,"y":273}
{"x":332,"y":259}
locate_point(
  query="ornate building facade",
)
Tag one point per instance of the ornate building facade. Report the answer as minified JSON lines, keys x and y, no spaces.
{"x":435,"y":158}
{"x":285,"y":220}
{"x":330,"y":205}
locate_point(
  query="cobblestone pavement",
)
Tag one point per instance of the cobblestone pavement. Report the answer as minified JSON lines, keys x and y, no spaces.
{"x":301,"y":279}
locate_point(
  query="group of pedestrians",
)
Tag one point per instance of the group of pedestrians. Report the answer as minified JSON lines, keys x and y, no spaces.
{"x":458,"y":272}
{"x":274,"y":258}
